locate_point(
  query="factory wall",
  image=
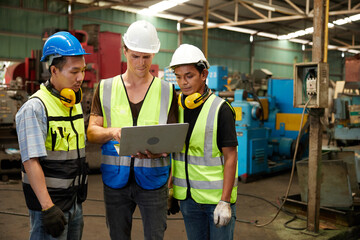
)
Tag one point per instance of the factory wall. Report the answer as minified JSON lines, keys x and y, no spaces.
{"x":21,"y":28}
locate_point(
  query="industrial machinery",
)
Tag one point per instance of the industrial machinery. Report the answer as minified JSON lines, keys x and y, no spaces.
{"x":267,"y":129}
{"x":347,"y":105}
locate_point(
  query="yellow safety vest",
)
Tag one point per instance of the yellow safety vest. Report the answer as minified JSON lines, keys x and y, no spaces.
{"x":65,"y":166}
{"x":204,"y":161}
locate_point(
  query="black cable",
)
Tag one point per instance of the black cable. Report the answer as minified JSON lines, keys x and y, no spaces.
{"x":294,"y":228}
{"x":276,"y":206}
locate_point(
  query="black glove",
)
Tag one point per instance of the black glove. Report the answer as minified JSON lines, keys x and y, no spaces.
{"x":173,"y":204}
{"x":54,"y":221}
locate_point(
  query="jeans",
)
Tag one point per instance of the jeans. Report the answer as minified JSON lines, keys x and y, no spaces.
{"x":120,"y":205}
{"x":199,"y":221}
{"x":73,"y":229}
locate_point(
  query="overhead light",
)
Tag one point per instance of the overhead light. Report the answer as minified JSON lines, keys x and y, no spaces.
{"x":303,"y":47}
{"x":238,"y":29}
{"x":342,"y":21}
{"x":258,"y":5}
{"x":309,"y":30}
{"x":269,"y":35}
{"x":342,"y":54}
{"x":161,"y":6}
{"x":353,"y":51}
{"x":251,"y":38}
{"x":301,"y":41}
{"x":355,"y":17}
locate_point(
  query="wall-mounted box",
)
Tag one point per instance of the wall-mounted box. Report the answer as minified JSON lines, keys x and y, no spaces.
{"x":311,"y":80}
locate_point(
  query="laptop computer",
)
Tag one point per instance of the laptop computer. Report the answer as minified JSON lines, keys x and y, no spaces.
{"x":161,"y":138}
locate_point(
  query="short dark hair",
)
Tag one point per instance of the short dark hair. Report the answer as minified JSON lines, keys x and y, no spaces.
{"x":200,"y":66}
{"x":58,"y":63}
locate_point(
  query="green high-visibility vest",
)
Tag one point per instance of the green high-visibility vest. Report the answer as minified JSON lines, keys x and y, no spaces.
{"x":204,"y":161}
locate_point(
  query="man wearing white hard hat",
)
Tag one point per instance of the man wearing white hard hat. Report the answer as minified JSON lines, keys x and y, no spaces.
{"x":132,"y":99}
{"x":205,"y":171}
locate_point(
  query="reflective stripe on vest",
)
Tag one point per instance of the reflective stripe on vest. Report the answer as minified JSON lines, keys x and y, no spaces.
{"x":205,"y":162}
{"x":149,"y":173}
{"x":65,"y":164}
{"x":55,"y":182}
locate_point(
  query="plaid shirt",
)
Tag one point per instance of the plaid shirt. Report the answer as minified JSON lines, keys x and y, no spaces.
{"x":31,"y":128}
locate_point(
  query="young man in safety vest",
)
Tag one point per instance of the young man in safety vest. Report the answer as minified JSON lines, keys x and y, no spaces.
{"x":205,"y":171}
{"x":51,"y":135}
{"x":132,"y":99}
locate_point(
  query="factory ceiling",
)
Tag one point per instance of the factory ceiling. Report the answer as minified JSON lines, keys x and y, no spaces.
{"x":277,"y":19}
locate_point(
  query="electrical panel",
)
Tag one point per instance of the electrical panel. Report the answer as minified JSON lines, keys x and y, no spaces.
{"x":311,"y":80}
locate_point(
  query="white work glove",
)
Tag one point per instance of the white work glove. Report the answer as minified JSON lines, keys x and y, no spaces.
{"x":222,"y":214}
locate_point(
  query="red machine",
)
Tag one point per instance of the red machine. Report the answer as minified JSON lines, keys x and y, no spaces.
{"x":103,"y":62}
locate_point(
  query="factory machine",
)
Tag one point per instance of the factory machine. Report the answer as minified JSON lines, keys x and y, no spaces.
{"x":347,"y":105}
{"x":267,"y":127}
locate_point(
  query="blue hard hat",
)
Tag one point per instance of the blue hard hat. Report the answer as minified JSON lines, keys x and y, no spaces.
{"x":62,"y":44}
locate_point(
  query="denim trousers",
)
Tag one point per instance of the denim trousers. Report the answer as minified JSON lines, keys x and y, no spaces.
{"x":120,"y":205}
{"x":73,"y":229}
{"x":199,"y":221}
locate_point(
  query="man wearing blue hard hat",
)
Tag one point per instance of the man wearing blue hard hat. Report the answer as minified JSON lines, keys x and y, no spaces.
{"x":51,"y":136}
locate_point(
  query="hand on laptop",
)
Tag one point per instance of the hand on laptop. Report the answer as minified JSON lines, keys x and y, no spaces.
{"x":148,"y":154}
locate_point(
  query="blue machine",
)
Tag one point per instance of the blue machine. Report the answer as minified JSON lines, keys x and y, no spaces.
{"x":169,"y":76}
{"x":216,"y":80}
{"x":217,"y":77}
{"x":267,"y":141}
{"x":347,"y":119}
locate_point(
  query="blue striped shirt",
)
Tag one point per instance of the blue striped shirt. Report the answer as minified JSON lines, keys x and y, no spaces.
{"x":31,"y":128}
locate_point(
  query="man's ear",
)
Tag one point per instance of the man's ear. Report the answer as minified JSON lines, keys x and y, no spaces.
{"x":204,"y":74}
{"x":53,"y":70}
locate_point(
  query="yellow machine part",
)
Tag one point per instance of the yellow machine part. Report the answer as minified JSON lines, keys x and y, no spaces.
{"x":265,"y":106}
{"x":291,"y":121}
{"x":238,"y":113}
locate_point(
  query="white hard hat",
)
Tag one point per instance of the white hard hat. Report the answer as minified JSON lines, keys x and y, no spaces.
{"x":141,"y":36}
{"x":188,"y":54}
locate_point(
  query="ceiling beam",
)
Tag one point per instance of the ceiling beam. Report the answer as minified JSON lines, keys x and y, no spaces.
{"x":295,"y":7}
{"x":269,"y":20}
{"x":253,"y":10}
{"x":221,"y":17}
{"x":341,"y":42}
{"x":200,"y":13}
{"x":249,"y":22}
{"x":356,"y":6}
{"x":277,"y":8}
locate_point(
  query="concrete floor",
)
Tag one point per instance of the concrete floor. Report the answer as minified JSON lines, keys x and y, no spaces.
{"x":14,"y":223}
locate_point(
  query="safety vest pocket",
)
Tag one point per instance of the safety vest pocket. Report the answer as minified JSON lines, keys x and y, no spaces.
{"x":115,"y":176}
{"x":151,"y":178}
